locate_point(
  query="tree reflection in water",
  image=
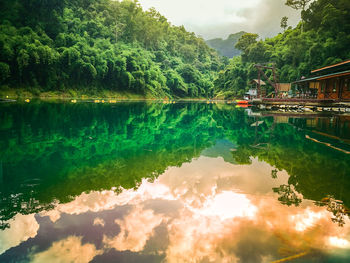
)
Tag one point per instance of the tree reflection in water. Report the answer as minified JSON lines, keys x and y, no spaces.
{"x":336,"y":207}
{"x":287,"y":195}
{"x":52,"y":152}
{"x":176,"y":181}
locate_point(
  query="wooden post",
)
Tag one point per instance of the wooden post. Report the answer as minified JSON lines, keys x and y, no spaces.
{"x":341,"y":84}
{"x":1,"y":174}
{"x":275,"y":80}
{"x":258,"y":90}
{"x":260,"y":72}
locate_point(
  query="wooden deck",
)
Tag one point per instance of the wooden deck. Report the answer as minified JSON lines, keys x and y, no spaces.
{"x":300,"y":100}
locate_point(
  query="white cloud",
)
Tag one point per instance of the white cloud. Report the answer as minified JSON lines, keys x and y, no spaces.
{"x":99,"y":222}
{"x":339,"y":242}
{"x":67,"y":250}
{"x":97,"y":201}
{"x":228,"y":205}
{"x":220,"y":208}
{"x":135,"y":229}
{"x":200,"y":11}
{"x":307,"y":219}
{"x":22,"y":227}
{"x":223,"y":17}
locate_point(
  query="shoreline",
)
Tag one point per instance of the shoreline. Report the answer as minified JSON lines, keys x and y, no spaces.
{"x":11,"y":94}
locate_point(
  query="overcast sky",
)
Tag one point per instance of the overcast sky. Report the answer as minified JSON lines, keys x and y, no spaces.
{"x":219,"y":18}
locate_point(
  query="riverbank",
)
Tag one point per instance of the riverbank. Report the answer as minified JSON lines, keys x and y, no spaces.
{"x":71,"y":94}
{"x":23,"y":94}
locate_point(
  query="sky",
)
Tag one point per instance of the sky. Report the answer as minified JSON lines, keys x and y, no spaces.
{"x":219,"y":18}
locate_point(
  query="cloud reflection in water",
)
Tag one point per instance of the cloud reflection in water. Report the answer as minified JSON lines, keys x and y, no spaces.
{"x":206,"y":210}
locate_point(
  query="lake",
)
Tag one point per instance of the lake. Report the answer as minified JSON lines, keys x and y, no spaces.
{"x":184,"y":182}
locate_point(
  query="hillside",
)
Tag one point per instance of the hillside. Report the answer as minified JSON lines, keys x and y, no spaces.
{"x":226,"y":47}
{"x":320,"y":39}
{"x":92,"y":46}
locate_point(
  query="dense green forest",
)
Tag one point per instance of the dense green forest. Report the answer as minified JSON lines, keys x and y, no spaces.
{"x":93,"y":46}
{"x":64,"y":45}
{"x":226,"y":47}
{"x":321,"y":38}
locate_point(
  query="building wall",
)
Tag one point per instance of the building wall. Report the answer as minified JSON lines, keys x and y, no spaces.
{"x":322,"y":88}
{"x":334,"y":88}
{"x":345,"y":83}
{"x":284,"y":87}
{"x":338,"y":126}
{"x":253,"y":92}
{"x":314,"y":85}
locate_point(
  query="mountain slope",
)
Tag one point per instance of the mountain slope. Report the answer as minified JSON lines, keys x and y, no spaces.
{"x":226,"y":47}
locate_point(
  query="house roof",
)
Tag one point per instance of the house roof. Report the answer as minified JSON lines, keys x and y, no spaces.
{"x":257,"y":81}
{"x":331,"y":66}
{"x":327,"y":76}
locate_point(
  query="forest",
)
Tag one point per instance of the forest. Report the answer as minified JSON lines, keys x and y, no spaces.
{"x":91,"y":46}
{"x":94,"y":46}
{"x":321,"y":38}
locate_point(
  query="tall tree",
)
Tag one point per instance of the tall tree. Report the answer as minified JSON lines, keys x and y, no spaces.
{"x":298,"y":4}
{"x":284,"y":23}
{"x":246,"y":40}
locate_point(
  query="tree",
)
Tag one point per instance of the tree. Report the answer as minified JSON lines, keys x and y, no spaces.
{"x":246,"y":40}
{"x":287,"y":195}
{"x":4,"y":71}
{"x":298,"y":4}
{"x":119,"y":28}
{"x":96,"y":45}
{"x":258,"y":52}
{"x":284,"y":23}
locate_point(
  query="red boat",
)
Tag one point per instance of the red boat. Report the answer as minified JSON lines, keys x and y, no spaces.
{"x":242,"y":101}
{"x":242,"y":105}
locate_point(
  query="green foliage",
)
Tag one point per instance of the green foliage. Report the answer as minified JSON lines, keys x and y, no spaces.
{"x":323,"y":38}
{"x":4,"y":71}
{"x":307,"y":163}
{"x":284,"y":23}
{"x":102,"y":45}
{"x":298,"y":4}
{"x":55,"y":151}
{"x":98,"y":147}
{"x":246,"y":41}
{"x":232,"y":81}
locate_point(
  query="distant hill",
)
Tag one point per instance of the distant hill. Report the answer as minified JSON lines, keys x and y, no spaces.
{"x":226,"y":47}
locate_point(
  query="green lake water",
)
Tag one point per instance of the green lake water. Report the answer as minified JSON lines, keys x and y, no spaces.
{"x":184,"y":182}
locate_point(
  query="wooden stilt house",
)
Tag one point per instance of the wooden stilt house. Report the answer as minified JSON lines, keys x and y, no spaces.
{"x":331,"y":82}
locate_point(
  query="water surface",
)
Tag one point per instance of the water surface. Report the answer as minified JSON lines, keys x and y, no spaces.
{"x":185,"y":182}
